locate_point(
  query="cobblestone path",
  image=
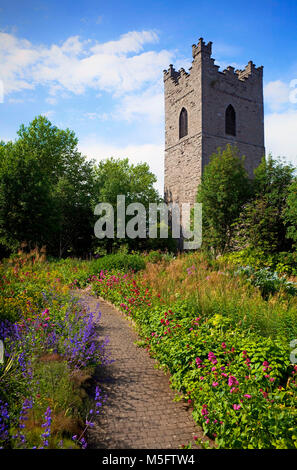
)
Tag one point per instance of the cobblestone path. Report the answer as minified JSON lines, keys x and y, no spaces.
{"x":140,"y":412}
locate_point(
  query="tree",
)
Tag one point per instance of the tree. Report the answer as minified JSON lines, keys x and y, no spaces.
{"x":45,"y":190}
{"x":290,"y":212}
{"x":224,"y":188}
{"x":262,"y":224}
{"x":25,"y":204}
{"x":136,"y":182}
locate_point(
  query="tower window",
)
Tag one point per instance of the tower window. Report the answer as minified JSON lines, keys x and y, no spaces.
{"x":183,"y":123}
{"x":230,"y":120}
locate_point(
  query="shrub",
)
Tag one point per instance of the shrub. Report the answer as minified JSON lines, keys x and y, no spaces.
{"x":117,"y":262}
{"x":283,"y":262}
{"x":268,"y":281}
{"x":157,"y":256}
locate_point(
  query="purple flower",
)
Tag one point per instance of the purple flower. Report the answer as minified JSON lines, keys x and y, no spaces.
{"x":47,"y":426}
{"x":232,"y":381}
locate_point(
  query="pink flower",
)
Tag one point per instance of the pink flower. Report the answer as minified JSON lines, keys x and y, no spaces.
{"x":224,"y":375}
{"x":266,"y":366}
{"x":45,"y":312}
{"x":247,"y":396}
{"x":201,"y":378}
{"x":236,"y":407}
{"x":223,"y":345}
{"x":232,"y":381}
{"x":212,"y":358}
{"x":213,"y":369}
{"x":198,"y":361}
{"x":215,"y":384}
{"x":204,"y":411}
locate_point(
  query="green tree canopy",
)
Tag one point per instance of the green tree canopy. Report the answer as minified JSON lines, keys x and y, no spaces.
{"x":290,"y":212}
{"x":45,"y":190}
{"x":262,"y":224}
{"x":136,"y":182}
{"x":224,"y":188}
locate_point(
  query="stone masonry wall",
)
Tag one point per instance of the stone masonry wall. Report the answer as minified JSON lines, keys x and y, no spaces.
{"x":205,"y":92}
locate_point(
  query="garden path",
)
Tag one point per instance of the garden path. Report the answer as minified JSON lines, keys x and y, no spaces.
{"x":140,"y":412}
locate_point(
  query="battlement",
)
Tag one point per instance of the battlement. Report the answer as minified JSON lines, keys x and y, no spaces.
{"x":206,"y":108}
{"x":202,"y":52}
{"x":201,"y":48}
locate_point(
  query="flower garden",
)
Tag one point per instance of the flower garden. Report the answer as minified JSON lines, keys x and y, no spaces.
{"x":50,"y":352}
{"x":225,"y":344}
{"x":227,"y":348}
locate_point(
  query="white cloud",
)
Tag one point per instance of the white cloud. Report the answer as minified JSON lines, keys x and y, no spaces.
{"x":153,"y":154}
{"x":49,"y":114}
{"x":129,"y":42}
{"x":281,"y":135}
{"x":16,"y":55}
{"x":277,"y":95}
{"x":148,"y":104}
{"x":117,"y":67}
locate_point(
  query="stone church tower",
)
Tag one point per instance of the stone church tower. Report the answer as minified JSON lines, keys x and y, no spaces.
{"x":206,"y":109}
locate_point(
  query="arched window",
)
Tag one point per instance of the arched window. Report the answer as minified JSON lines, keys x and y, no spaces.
{"x":230,"y":120}
{"x":183,"y":123}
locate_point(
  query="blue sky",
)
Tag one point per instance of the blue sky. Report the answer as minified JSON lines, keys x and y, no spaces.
{"x":96,"y":67}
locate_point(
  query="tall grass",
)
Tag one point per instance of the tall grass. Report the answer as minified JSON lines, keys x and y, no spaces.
{"x":212,"y":288}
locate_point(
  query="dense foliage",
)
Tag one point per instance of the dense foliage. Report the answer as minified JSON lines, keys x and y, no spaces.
{"x":49,"y":190}
{"x":262,"y":224}
{"x":45,"y":191}
{"x":241,"y":213}
{"x":224,"y":188}
{"x":227,"y":348}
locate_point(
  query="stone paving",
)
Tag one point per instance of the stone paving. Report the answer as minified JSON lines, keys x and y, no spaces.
{"x":140,"y":412}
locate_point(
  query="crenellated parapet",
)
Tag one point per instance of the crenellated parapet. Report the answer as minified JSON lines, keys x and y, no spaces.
{"x":173,"y":74}
{"x":202,"y":48}
{"x":250,"y":70}
{"x":201,"y":52}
